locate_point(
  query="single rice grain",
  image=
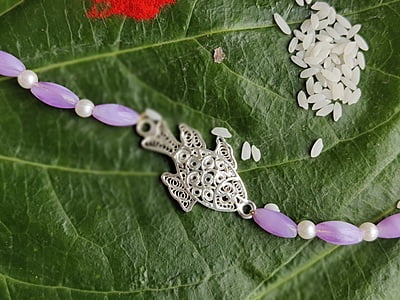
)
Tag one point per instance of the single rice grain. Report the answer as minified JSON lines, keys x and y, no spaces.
{"x":255,"y":153}
{"x":337,"y":111}
{"x":302,"y":100}
{"x":246,"y":151}
{"x":298,"y":61}
{"x":317,"y":148}
{"x":282,"y":24}
{"x":361,"y":42}
{"x":323,"y":112}
{"x":309,"y":72}
{"x":293,"y":44}
{"x":343,"y":21}
{"x":222,"y":132}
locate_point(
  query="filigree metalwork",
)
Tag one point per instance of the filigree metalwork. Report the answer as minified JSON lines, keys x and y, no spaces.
{"x":204,"y":176}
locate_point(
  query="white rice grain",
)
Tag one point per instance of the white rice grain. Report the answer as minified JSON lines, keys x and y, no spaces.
{"x":272,"y":206}
{"x":323,"y":24}
{"x":309,"y":72}
{"x":348,"y":83}
{"x":350,"y":48}
{"x":282,"y":24}
{"x":300,"y":54}
{"x":320,"y":6}
{"x":327,"y":93}
{"x":317,"y":148}
{"x":317,"y":88}
{"x":293,"y":44}
{"x":343,"y":21}
{"x":299,"y":48}
{"x":333,"y":75}
{"x":337,"y":111}
{"x":321,"y":79}
{"x":300,"y":2}
{"x":255,"y":153}
{"x":315,"y":98}
{"x":346,"y":71}
{"x":327,"y":63}
{"x":361,"y":42}
{"x":298,"y":61}
{"x":355,"y":96}
{"x":310,"y":85}
{"x":355,"y":76}
{"x":300,"y":35}
{"x":305,"y":26}
{"x":332,"y":32}
{"x":347,"y":95}
{"x":332,"y":16}
{"x":246,"y":151}
{"x":339,"y":49}
{"x":340,"y":29}
{"x":222,"y":132}
{"x":323,"y":112}
{"x":350,"y":61}
{"x":353,"y":31}
{"x":320,"y":104}
{"x":313,"y":60}
{"x":302,"y":100}
{"x":314,"y":21}
{"x":361,"y":60}
{"x":308,"y":40}
{"x":335,"y":59}
{"x":338,"y":91}
{"x":323,"y":13}
{"x":308,"y":1}
{"x":315,"y":50}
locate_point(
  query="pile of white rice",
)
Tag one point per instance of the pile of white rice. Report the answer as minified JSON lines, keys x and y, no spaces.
{"x":329,"y":49}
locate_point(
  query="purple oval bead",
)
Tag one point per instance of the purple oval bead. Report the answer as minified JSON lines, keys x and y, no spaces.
{"x":389,"y":228}
{"x":54,"y":95}
{"x":275,"y":223}
{"x":339,"y":233}
{"x":115,"y":115}
{"x":10,"y":65}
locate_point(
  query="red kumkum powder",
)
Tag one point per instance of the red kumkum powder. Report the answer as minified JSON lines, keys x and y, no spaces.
{"x":136,"y":9}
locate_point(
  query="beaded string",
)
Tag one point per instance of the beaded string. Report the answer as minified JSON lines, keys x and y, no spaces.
{"x":268,"y":218}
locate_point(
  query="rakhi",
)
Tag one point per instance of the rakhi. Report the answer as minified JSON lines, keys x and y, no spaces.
{"x":206,"y":176}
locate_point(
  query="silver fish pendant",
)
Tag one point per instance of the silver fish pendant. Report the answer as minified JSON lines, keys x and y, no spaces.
{"x":204,"y":176}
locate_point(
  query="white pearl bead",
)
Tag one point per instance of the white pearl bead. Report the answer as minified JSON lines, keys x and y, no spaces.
{"x":84,"y":108}
{"x":306,"y":230}
{"x":27,"y":79}
{"x":272,"y":206}
{"x":370,"y":231}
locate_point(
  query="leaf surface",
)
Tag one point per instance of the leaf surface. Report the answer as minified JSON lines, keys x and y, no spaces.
{"x":83,"y":213}
{"x":7,"y":5}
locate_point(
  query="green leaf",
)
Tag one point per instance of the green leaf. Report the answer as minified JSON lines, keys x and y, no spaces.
{"x":7,"y":5}
{"x":83,"y":213}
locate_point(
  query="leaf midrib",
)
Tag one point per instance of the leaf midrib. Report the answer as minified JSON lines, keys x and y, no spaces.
{"x":151,"y":174}
{"x":179,"y":40}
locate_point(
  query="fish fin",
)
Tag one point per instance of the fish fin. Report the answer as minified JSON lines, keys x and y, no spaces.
{"x":191,"y":137}
{"x":177,"y":190}
{"x":225,"y":150}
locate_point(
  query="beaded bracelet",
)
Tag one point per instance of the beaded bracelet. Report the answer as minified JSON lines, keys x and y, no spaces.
{"x":206,"y":176}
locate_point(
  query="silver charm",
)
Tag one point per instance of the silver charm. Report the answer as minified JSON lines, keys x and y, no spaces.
{"x":204,"y":176}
